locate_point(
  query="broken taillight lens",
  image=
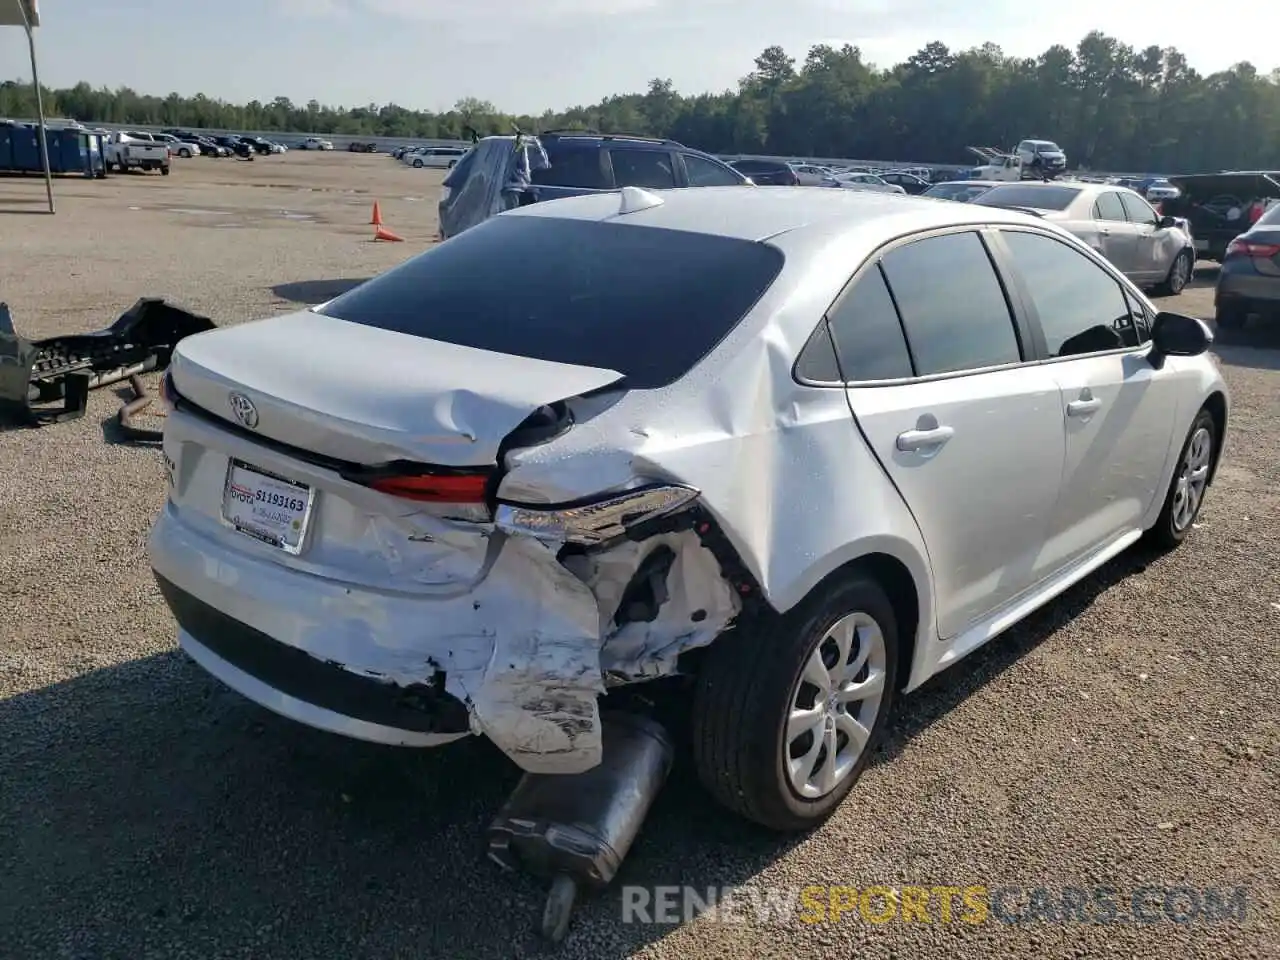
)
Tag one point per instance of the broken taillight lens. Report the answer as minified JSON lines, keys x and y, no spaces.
{"x":435,"y":487}
{"x":589,"y":523}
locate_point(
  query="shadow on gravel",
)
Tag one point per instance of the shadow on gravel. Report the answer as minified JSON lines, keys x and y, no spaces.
{"x":312,"y":292}
{"x":146,"y":811}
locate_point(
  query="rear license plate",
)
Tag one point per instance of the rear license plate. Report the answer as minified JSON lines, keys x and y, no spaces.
{"x":1202,"y":244}
{"x":267,"y":507}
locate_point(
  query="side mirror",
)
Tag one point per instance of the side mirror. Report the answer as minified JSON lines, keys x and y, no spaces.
{"x":1167,"y":222}
{"x":1176,"y":335}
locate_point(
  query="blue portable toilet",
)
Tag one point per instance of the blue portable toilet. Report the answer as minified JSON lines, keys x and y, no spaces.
{"x":26,"y":153}
{"x":6,"y":146}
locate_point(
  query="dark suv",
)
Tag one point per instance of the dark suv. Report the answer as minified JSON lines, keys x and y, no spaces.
{"x":586,"y":162}
{"x":768,"y":173}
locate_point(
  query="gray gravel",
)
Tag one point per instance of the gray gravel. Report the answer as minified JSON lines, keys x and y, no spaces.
{"x":1126,"y":735}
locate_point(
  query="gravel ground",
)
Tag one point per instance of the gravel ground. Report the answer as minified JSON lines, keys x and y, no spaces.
{"x":1127,"y":735}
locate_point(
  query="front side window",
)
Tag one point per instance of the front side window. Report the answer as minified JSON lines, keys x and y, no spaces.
{"x":1138,"y":210}
{"x":1082,"y":308}
{"x":572,"y":168}
{"x":642,"y":168}
{"x":952,"y":304}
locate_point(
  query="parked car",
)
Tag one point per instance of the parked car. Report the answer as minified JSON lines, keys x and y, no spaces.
{"x":1158,"y":189}
{"x":1042,"y":157}
{"x":812,"y":175}
{"x":124,"y":153}
{"x":357,"y":146}
{"x":1220,"y":206}
{"x":509,"y":477}
{"x":177,"y":146}
{"x":868,"y":181}
{"x":767,"y":173}
{"x":315,"y":143}
{"x":1249,"y":281}
{"x":236,"y":147}
{"x":499,"y":173}
{"x":1152,"y":250}
{"x":207,"y":147}
{"x":909,"y":182}
{"x":959,"y":190}
{"x":440,"y":158}
{"x":258,"y":145}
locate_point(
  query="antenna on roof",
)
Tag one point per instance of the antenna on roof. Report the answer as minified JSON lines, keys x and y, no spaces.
{"x":634,"y":200}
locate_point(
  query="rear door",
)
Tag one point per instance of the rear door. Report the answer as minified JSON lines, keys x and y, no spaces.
{"x":1117,"y":410}
{"x":1117,"y":236}
{"x":971,"y":437}
{"x":650,"y":169}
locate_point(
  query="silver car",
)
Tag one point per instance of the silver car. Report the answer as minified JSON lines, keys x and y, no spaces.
{"x":867,"y":181}
{"x":806,"y":447}
{"x":1152,"y":250}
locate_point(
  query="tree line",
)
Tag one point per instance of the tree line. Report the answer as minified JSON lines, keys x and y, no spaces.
{"x":1109,"y":105}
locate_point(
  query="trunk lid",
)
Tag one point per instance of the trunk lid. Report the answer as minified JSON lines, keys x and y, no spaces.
{"x":363,"y":395}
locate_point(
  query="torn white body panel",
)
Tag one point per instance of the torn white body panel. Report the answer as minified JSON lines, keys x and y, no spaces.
{"x":523,"y":640}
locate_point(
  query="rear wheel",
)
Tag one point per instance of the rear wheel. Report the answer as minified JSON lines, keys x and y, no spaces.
{"x":787,"y":709}
{"x":1187,"y":488}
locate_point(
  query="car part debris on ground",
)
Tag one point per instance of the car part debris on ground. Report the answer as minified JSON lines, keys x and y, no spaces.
{"x":577,"y":829}
{"x":36,"y":374}
{"x":140,"y":402}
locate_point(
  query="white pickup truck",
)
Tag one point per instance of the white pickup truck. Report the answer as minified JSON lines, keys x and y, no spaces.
{"x":124,"y":153}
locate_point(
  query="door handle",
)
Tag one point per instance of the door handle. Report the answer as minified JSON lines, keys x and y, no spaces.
{"x":920,"y":439}
{"x":1082,"y":408}
{"x":1104,"y":231}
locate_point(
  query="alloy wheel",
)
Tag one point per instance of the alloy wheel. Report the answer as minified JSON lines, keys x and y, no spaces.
{"x":1193,"y":475}
{"x":834,"y":706}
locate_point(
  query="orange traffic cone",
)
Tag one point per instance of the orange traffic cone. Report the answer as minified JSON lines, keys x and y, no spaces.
{"x":383,"y":234}
{"x":377,"y":215}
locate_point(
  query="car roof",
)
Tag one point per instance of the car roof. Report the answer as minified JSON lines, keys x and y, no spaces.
{"x":747,"y":213}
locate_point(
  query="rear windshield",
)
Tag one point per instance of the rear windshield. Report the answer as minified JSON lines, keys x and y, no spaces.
{"x":645,"y":302}
{"x":1036,"y":197}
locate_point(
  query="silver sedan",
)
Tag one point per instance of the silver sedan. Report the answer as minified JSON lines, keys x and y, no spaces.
{"x":1150,"y":249}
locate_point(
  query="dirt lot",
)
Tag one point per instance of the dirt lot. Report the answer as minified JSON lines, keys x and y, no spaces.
{"x":1126,"y":736}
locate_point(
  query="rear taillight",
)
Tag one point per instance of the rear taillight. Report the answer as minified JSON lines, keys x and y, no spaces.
{"x":1260,"y":251}
{"x":431,"y":487}
{"x":595,"y":521}
{"x":1256,"y":211}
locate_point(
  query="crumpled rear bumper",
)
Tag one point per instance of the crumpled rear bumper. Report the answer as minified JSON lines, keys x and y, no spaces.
{"x":519,"y":653}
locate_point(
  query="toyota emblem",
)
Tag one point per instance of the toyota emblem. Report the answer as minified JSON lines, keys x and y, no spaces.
{"x":244,"y":409}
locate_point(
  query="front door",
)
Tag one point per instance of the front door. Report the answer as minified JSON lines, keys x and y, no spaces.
{"x":1114,"y":407}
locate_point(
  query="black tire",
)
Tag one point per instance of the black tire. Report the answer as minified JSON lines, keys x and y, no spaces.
{"x":1231,"y":316}
{"x":1171,"y":527}
{"x":164,"y":170}
{"x":1180,"y":273}
{"x":185,"y":154}
{"x":746,"y":689}
{"x":417,"y":164}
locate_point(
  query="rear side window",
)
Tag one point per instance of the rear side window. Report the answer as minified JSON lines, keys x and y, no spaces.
{"x":1082,"y":308}
{"x":867,"y":333}
{"x":642,"y":168}
{"x":573,"y":168}
{"x":952,"y":305}
{"x":646,"y":302}
{"x":1108,"y":207}
{"x":704,"y":173}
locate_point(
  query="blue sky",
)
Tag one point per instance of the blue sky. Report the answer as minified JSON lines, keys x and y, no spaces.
{"x":527,"y":56}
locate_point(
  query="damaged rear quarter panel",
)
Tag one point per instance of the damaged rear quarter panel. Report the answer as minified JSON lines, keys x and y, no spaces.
{"x":781,"y":466}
